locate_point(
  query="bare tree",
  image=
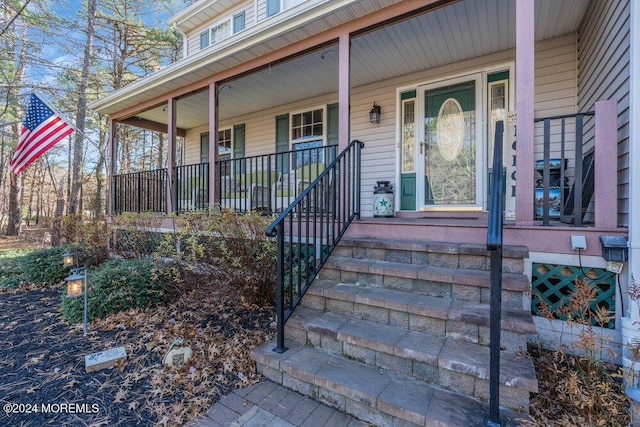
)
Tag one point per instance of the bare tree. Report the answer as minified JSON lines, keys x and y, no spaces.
{"x":78,"y":158}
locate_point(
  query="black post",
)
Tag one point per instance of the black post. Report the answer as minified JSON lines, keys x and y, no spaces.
{"x":494,"y":337}
{"x":280,"y":291}
{"x":494,"y":244}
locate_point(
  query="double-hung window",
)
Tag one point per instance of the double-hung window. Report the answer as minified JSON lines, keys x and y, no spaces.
{"x":275,"y":6}
{"x":307,"y":136}
{"x":222,"y":30}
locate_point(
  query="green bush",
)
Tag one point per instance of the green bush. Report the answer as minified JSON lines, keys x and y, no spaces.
{"x":43,"y":266}
{"x":230,"y":248}
{"x":120,"y":285}
{"x":10,"y":268}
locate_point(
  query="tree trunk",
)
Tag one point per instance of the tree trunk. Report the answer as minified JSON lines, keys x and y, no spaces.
{"x":15,"y":205}
{"x":78,"y":153}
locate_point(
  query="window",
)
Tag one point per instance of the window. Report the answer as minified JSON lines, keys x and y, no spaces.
{"x":224,"y":144}
{"x":307,"y":136}
{"x":275,"y":6}
{"x":224,"y":29}
{"x":224,"y":150}
{"x":221,"y":31}
{"x":408,"y":136}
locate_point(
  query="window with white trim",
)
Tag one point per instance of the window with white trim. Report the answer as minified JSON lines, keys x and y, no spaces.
{"x":224,"y":144}
{"x":223,"y":29}
{"x":307,"y":133}
{"x":276,"y":6}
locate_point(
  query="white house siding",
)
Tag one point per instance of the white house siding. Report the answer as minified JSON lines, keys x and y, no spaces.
{"x":603,"y":73}
{"x":193,"y":38}
{"x":555,"y":94}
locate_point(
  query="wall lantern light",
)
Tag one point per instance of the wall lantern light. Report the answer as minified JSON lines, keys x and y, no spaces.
{"x":374,"y":114}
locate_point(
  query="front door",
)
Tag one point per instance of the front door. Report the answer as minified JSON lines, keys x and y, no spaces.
{"x":450,"y":148}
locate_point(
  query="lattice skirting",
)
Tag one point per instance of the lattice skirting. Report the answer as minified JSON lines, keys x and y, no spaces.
{"x":553,"y":284}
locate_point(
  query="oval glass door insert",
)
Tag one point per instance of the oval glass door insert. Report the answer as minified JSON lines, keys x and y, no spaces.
{"x":450,"y":129}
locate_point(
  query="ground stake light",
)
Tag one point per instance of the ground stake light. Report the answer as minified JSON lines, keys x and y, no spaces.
{"x":77,"y":283}
{"x":67,"y":259}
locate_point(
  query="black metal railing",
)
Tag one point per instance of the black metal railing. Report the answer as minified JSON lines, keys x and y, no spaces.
{"x":140,"y":191}
{"x":494,"y":245}
{"x":269,"y":183}
{"x":554,"y":197}
{"x":310,"y":227}
{"x":191,"y":187}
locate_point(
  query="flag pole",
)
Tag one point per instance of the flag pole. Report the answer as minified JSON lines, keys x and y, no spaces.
{"x":55,"y":110}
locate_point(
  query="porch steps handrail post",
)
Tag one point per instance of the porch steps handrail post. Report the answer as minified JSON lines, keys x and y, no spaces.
{"x":494,"y":244}
{"x":304,"y":254}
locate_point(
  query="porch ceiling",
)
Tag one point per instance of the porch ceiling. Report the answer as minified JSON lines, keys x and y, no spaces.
{"x":457,"y":32}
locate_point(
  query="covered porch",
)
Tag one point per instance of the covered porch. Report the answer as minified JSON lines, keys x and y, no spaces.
{"x":391,"y":60}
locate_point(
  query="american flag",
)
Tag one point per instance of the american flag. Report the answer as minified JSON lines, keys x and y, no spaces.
{"x":42,"y":128}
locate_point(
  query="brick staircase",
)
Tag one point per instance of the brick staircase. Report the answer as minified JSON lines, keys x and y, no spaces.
{"x":396,"y":332}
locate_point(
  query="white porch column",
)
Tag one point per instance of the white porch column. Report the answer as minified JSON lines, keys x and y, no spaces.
{"x":171,"y":155}
{"x":344,"y":91}
{"x":213,"y":142}
{"x":525,"y":92}
{"x":634,"y":154}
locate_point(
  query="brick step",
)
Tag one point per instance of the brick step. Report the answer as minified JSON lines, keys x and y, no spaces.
{"x":453,"y":364}
{"x":380,"y":397}
{"x":437,"y":254}
{"x":468,"y":321}
{"x":457,"y":283}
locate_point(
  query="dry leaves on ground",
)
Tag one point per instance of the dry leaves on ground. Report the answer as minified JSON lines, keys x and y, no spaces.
{"x":42,"y":359}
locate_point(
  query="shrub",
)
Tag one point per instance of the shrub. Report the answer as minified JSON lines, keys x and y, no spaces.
{"x":89,"y":237}
{"x":135,"y":236}
{"x":230,"y":248}
{"x":43,"y":267}
{"x":583,"y":389}
{"x":10,"y":268}
{"x":120,"y":285}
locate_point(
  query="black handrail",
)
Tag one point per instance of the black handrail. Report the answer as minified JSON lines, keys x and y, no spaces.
{"x":494,"y":244}
{"x":309,"y":229}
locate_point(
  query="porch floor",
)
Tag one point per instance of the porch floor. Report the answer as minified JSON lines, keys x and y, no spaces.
{"x":471,"y":227}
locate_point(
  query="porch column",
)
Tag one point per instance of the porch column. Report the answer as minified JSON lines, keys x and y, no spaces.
{"x":213,"y":142}
{"x":344,"y":91}
{"x":606,"y":164}
{"x":171,"y":155}
{"x":111,"y":169}
{"x":525,"y":92}
{"x":634,"y":155}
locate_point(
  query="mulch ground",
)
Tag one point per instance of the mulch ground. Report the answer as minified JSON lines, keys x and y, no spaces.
{"x":42,"y":360}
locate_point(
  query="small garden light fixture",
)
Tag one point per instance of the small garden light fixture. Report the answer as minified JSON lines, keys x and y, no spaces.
{"x":374,"y":114}
{"x":77,"y":283}
{"x":67,"y":259}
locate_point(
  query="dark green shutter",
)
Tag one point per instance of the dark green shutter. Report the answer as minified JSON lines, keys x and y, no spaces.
{"x":238,"y":22}
{"x":273,"y":7}
{"x":333,"y":131}
{"x":238,"y":149}
{"x":238,"y":141}
{"x":204,"y":39}
{"x":204,"y":147}
{"x":282,"y":143}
